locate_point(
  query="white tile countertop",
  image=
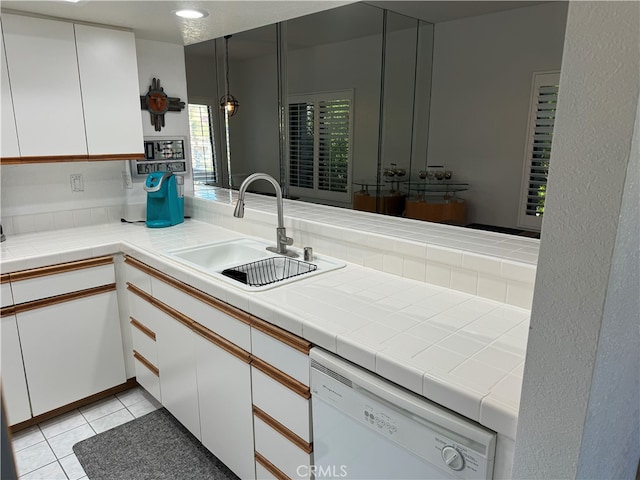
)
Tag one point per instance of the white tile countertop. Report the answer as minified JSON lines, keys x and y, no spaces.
{"x":460,"y":350}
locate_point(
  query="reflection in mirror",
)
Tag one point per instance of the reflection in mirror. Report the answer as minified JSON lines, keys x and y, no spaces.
{"x":431,"y":87}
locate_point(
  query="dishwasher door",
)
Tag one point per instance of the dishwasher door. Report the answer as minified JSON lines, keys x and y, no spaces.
{"x":365,"y":427}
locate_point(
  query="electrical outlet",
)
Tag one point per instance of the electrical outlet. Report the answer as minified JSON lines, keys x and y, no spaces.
{"x":77,"y":183}
{"x":126,"y":180}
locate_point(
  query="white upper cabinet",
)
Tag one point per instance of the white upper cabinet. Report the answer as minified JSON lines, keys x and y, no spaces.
{"x":43,"y":71}
{"x":9,"y":142}
{"x":109,"y":79}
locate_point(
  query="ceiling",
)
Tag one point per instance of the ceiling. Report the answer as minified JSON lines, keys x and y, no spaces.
{"x":154,"y":20}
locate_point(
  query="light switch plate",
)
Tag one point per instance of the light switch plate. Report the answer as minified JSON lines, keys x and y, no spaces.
{"x":77,"y":183}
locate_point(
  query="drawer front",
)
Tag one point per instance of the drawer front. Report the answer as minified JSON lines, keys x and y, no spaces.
{"x":283,"y":454}
{"x":281,"y":403}
{"x":143,"y":343}
{"x":5,"y":295}
{"x":285,"y":358}
{"x":234,"y":330}
{"x":56,"y":284}
{"x":138,"y":278}
{"x":143,"y":311}
{"x":147,"y":379}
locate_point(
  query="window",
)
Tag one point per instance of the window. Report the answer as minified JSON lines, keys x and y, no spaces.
{"x":203,"y":160}
{"x":320,"y":145}
{"x":542,"y":116}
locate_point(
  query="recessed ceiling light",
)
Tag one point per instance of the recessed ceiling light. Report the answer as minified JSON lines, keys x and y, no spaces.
{"x":191,"y":14}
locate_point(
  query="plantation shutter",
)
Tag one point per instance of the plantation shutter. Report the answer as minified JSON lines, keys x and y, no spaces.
{"x":301,"y":144}
{"x":203,"y":163}
{"x":333,"y":145}
{"x":544,"y":98}
{"x":320,"y":145}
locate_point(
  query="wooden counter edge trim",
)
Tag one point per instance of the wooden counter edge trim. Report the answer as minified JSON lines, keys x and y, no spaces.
{"x":230,"y":310}
{"x":282,"y":430}
{"x":145,"y":330}
{"x":150,"y":366}
{"x":102,"y":157}
{"x":283,"y":336}
{"x":222,"y":342}
{"x":4,"y":278}
{"x":291,"y":383}
{"x":270,"y":467}
{"x":6,"y":311}
{"x":129,"y":384}
{"x":65,"y":297}
{"x":60,"y":268}
{"x":43,"y":159}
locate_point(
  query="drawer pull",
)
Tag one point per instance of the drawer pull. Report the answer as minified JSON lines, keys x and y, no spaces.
{"x":282,"y":378}
{"x":6,"y":311}
{"x":270,"y":467}
{"x":147,"y":331}
{"x":282,"y":430}
{"x":61,"y":268}
{"x":146,"y":363}
{"x":66,"y":297}
{"x":283,"y":336}
{"x":221,"y":342}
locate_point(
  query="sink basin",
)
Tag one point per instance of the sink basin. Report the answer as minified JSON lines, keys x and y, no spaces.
{"x":246,"y":264}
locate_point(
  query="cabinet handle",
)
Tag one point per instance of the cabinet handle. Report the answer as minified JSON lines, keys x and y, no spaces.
{"x":291,"y":383}
{"x":282,"y":430}
{"x":6,"y":311}
{"x":147,"y":331}
{"x":270,"y":467}
{"x":66,"y":297}
{"x":4,"y":278}
{"x":283,"y":336}
{"x":60,"y":268}
{"x":146,"y":363}
{"x":222,"y":342}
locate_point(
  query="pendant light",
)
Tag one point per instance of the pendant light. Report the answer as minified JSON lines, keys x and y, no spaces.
{"x":228,"y":102}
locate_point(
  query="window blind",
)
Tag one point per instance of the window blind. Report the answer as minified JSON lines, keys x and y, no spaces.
{"x":538,"y":153}
{"x":320,"y":145}
{"x":203,"y":162}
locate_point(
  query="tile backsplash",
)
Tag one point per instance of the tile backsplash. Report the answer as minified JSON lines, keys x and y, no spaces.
{"x":490,"y":265}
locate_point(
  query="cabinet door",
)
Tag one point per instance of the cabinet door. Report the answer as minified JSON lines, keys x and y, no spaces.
{"x":43,"y":70}
{"x":178,"y":384}
{"x":110,"y":97}
{"x":71,"y":350}
{"x":14,"y":384}
{"x":9,"y":143}
{"x":224,"y":390}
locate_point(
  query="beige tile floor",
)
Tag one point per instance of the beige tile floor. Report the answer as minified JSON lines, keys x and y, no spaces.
{"x":45,"y":450}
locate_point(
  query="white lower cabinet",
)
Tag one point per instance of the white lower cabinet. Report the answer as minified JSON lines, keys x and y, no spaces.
{"x":176,"y":361}
{"x":15,"y":395}
{"x":224,"y":393}
{"x":245,"y":380}
{"x":71,"y":349}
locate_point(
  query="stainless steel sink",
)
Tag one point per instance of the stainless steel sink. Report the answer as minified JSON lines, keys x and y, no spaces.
{"x":246,"y":263}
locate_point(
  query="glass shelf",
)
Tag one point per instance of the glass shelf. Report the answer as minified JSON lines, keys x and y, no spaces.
{"x":427,"y":186}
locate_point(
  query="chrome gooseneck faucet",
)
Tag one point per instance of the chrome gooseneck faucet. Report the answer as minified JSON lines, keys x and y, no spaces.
{"x":281,"y":232}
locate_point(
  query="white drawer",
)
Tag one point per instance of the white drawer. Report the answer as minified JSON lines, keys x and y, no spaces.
{"x":284,"y":455}
{"x":148,"y":379}
{"x":143,"y":343}
{"x":234,"y":330}
{"x":54,"y":284}
{"x":137,"y":277}
{"x":285,"y":358}
{"x":143,"y":311}
{"x":281,"y":403}
{"x":264,"y":474}
{"x":5,"y":295}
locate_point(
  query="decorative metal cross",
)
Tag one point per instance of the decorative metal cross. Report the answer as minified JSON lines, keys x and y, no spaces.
{"x":158,"y":103}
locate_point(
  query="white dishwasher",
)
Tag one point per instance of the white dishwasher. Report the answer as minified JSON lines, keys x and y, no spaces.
{"x":367,"y":428}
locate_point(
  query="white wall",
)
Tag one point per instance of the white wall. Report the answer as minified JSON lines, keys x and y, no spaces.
{"x":482,"y":73}
{"x":581,"y":395}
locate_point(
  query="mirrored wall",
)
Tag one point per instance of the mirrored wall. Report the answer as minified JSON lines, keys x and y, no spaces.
{"x":367,"y":108}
